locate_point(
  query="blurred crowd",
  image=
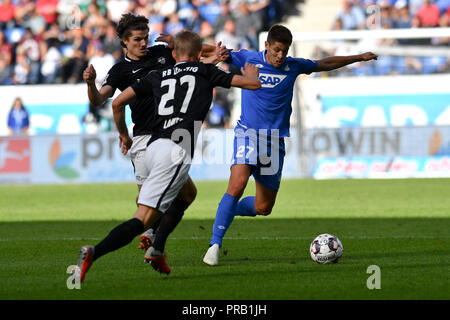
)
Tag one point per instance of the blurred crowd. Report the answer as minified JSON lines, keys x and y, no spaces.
{"x":388,"y":14}
{"x":52,"y":41}
{"x":416,"y":56}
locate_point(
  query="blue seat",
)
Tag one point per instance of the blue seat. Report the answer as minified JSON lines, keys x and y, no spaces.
{"x":66,"y":50}
{"x":383,"y":65}
{"x":400,"y":65}
{"x":14,"y":35}
{"x":432,"y":64}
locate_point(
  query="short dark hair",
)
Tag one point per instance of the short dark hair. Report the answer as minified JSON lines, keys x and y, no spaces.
{"x":128,"y":23}
{"x":279,"y":33}
{"x":188,"y":43}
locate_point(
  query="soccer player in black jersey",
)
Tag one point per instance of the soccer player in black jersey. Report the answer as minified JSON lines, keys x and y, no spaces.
{"x":182,"y":96}
{"x":139,"y":61}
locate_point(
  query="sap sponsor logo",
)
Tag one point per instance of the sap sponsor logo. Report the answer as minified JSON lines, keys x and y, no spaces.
{"x":270,"y":80}
{"x":15,"y":155}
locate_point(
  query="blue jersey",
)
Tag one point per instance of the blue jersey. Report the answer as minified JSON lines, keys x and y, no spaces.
{"x":270,"y":107}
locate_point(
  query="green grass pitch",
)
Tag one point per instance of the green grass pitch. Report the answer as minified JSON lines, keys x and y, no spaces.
{"x":402,"y":226}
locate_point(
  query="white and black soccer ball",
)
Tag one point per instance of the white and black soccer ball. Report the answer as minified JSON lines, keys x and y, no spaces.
{"x":326,"y":248}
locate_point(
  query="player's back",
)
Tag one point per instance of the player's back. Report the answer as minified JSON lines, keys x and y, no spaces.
{"x":182,"y":95}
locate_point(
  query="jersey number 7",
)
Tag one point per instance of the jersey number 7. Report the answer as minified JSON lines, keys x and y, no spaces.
{"x":164,"y":110}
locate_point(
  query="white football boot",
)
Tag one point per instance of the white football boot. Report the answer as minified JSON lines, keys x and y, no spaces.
{"x":212,"y":255}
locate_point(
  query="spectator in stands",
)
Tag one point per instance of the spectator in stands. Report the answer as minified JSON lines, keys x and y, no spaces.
{"x":403,"y":18}
{"x":173,"y":25}
{"x":51,"y":61}
{"x":248,"y":26}
{"x":5,"y":49}
{"x":258,"y":10}
{"x":193,"y":22}
{"x":220,"y":112}
{"x":95,"y":20}
{"x":18,"y":119}
{"x":48,"y":10}
{"x":229,"y":37}
{"x":24,"y":8}
{"x":73,"y":69}
{"x":428,"y":14}
{"x":5,"y":60}
{"x":116,"y":8}
{"x":7,"y":12}
{"x":111,"y":42}
{"x":386,"y":21}
{"x":209,"y":10}
{"x":102,"y":62}
{"x":352,"y":16}
{"x":223,"y":16}
{"x":35,"y":22}
{"x":444,"y":22}
{"x":207,"y":32}
{"x":31,"y":47}
{"x":22,"y":67}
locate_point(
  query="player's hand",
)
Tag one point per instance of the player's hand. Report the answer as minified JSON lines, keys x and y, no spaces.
{"x":222,"y":52}
{"x":125,"y":143}
{"x":367,"y":56}
{"x":89,"y":75}
{"x":250,"y":71}
{"x":167,"y":38}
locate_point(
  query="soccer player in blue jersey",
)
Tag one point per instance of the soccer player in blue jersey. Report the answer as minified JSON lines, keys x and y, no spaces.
{"x":264,"y":123}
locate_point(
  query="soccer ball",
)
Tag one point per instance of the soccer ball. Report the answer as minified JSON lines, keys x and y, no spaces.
{"x":326,"y":248}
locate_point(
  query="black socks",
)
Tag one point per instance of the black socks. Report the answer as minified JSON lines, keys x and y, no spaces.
{"x":119,"y":237}
{"x":168,"y":221}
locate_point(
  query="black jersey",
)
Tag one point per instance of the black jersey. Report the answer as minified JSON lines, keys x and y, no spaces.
{"x":128,"y":71}
{"x":182,"y":96}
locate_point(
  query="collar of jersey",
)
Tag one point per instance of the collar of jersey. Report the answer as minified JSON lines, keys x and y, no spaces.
{"x":128,"y":59}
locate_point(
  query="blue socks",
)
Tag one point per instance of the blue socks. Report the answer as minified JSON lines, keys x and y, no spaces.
{"x":246,"y":207}
{"x":224,"y":217}
{"x":228,"y":208}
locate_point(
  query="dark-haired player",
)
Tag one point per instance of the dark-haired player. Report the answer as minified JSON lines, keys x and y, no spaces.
{"x":182,"y":98}
{"x":259,"y":135}
{"x":139,"y":60}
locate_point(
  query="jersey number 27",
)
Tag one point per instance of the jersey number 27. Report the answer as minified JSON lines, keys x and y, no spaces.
{"x":163,"y":109}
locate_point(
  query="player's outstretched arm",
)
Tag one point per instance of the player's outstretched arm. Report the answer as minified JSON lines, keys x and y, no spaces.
{"x":96,"y":97}
{"x":221,"y":54}
{"x":249,"y":80}
{"x":118,"y":105}
{"x":336,"y":62}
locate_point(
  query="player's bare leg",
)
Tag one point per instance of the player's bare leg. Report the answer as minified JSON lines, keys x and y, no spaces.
{"x":264,"y":199}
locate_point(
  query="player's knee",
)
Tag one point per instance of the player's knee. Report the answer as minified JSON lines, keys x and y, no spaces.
{"x":191,"y":194}
{"x":263,"y":209}
{"x":188,"y":193}
{"x":237,"y":187}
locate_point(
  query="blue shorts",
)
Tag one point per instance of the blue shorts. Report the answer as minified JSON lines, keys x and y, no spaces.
{"x":264,"y":153}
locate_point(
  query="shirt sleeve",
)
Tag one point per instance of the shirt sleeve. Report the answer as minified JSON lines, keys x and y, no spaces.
{"x":305,"y":66}
{"x":112,"y":79}
{"x":219,"y":77}
{"x":238,"y":58}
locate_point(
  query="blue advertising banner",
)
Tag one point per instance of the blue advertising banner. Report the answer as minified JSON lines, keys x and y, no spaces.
{"x":386,"y":110}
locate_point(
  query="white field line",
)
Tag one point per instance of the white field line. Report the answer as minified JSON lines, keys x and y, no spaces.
{"x":248,"y":238}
